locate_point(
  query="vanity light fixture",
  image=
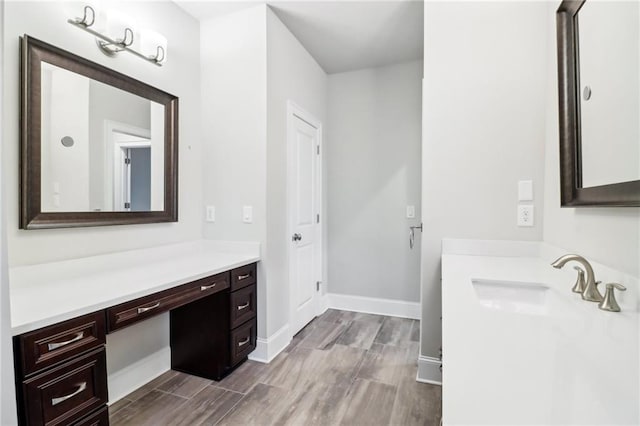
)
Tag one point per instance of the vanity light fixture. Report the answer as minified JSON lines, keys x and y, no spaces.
{"x":153,"y":45}
{"x":119,"y":36}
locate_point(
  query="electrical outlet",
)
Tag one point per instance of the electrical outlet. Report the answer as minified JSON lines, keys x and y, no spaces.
{"x":211,"y":214}
{"x":247,"y":214}
{"x":525,"y":215}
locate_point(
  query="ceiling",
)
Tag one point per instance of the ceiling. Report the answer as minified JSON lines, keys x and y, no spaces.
{"x":341,"y":35}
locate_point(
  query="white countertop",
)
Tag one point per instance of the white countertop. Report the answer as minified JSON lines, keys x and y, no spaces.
{"x":48,"y":293}
{"x":570,"y":365}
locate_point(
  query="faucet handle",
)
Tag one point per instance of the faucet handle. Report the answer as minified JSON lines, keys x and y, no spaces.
{"x":580,"y":283}
{"x":609,"y":302}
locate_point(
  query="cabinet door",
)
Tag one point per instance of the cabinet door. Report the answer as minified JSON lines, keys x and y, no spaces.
{"x":243,"y":341}
{"x":243,"y":276}
{"x":51,"y":345}
{"x":243,"y":305}
{"x":66,"y":393}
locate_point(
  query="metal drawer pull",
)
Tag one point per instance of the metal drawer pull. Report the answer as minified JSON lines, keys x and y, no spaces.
{"x":244,"y":342}
{"x":82,"y":386}
{"x":245,"y":306}
{"x":207,"y":287}
{"x":243,"y":277}
{"x":78,"y":336}
{"x":142,"y":310}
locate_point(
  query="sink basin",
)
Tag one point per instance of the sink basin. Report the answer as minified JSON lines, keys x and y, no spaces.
{"x":512,"y":296}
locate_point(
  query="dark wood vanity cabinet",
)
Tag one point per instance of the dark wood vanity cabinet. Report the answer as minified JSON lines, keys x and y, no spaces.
{"x":137,"y":310}
{"x":212,"y":352}
{"x":243,"y":313}
{"x":61,"y":373}
{"x":199,"y":333}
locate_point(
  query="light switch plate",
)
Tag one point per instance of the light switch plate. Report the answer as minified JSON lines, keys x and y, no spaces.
{"x":247,"y":214}
{"x":525,"y":190}
{"x":525,"y":215}
{"x":211,"y":214}
{"x":411,"y":212}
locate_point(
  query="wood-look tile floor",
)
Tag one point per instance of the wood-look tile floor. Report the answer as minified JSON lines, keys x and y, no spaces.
{"x":343,"y":368}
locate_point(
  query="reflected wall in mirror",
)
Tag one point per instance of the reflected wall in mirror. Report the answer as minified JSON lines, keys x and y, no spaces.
{"x":98,"y":147}
{"x":609,"y":47}
{"x":599,"y":94}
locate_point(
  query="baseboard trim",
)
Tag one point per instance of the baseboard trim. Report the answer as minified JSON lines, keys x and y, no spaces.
{"x":269,"y":348}
{"x":130,"y":378}
{"x":429,"y":370}
{"x":323,"y":305}
{"x":372,"y":305}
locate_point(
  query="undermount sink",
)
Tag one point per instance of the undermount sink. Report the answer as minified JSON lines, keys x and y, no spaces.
{"x":512,"y":296}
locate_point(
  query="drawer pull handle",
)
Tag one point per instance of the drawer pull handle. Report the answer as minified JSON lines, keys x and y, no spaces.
{"x":81,"y":387}
{"x":243,"y":277}
{"x":207,"y":287}
{"x":53,"y":346}
{"x":148,"y":308}
{"x":244,"y":342}
{"x":245,"y":306}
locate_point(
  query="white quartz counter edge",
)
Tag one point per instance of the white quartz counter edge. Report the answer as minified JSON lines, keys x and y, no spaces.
{"x":45,"y":294}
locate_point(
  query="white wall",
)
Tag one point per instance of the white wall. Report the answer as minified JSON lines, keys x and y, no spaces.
{"x":484,"y":102}
{"x":47,"y":22}
{"x":234,"y":125}
{"x":65,"y":113}
{"x":612,"y":74}
{"x":607,"y":235}
{"x":251,"y":65}
{"x":107,"y":103}
{"x":373,"y":161}
{"x":292,"y":74}
{"x":8,"y":415}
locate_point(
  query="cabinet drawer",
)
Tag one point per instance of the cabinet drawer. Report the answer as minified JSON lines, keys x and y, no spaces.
{"x":243,"y":276}
{"x":99,"y":418}
{"x":243,"y":341}
{"x":243,"y":305}
{"x":50,"y":345}
{"x":140,"y":309}
{"x":68,"y":392}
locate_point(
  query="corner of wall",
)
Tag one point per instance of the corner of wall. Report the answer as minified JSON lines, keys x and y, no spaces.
{"x":8,"y":409}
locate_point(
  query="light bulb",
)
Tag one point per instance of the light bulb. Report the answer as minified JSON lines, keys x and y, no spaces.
{"x":153,"y":45}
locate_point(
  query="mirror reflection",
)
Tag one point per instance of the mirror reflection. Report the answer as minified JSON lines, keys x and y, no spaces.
{"x":102,"y":148}
{"x":609,"y":91}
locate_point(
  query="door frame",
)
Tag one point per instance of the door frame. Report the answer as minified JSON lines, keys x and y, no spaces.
{"x":293,"y":111}
{"x":111,"y":152}
{"x":122,"y":174}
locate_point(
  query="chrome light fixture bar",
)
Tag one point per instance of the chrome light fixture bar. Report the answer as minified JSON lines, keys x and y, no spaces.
{"x":110,"y":46}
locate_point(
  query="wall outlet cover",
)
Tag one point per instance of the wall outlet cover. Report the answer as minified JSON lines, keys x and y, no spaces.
{"x":525,"y":190}
{"x":211,"y":214}
{"x":525,"y":215}
{"x":411,"y":212}
{"x":247,"y":214}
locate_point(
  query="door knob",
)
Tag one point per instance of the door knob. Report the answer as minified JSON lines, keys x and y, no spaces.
{"x":296,"y":237}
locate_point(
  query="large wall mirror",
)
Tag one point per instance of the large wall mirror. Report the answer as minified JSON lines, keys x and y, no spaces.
{"x":599,"y":93}
{"x":98,"y":147}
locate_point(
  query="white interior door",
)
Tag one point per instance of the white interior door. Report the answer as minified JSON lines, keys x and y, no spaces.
{"x":304,"y":218}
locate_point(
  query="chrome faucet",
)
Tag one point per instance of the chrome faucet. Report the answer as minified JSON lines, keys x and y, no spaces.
{"x":591,"y":292}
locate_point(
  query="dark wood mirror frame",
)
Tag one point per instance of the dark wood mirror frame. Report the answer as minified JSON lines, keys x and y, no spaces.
{"x":572,"y":194}
{"x":33,"y":53}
